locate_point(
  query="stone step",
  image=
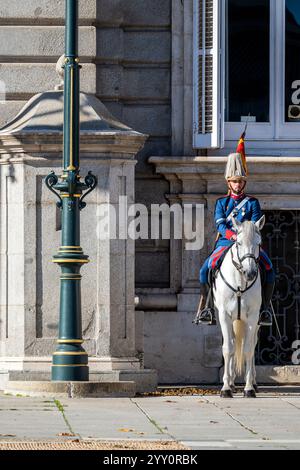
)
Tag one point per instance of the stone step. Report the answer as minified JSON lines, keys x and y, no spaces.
{"x":145,"y":379}
{"x":71,"y":389}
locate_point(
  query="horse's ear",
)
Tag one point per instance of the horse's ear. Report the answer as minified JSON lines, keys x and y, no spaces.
{"x":260,"y":223}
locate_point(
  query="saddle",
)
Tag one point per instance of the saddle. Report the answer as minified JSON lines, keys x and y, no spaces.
{"x":215,"y":264}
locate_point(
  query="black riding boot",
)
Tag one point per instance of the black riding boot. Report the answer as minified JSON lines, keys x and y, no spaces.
{"x":265,"y":317}
{"x":206,"y":312}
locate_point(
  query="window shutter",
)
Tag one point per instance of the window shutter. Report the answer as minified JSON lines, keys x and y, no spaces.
{"x":209,"y":67}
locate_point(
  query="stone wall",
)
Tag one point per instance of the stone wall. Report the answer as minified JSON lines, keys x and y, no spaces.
{"x":126,"y":58}
{"x":133,"y":66}
{"x":31,"y":41}
{"x":136,"y":57}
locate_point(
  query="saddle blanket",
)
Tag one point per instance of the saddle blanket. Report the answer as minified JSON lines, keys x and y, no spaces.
{"x":216,"y":258}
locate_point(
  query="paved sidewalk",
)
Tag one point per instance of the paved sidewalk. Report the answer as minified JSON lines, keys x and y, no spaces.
{"x":271,"y":421}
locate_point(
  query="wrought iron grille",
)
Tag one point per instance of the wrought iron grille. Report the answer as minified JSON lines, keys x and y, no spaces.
{"x":281,"y":240}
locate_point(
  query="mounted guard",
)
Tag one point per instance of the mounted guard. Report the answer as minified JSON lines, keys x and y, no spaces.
{"x":240,"y":207}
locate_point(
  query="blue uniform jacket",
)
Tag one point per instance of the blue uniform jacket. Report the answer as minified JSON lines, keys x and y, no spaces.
{"x":224,"y":206}
{"x":250,"y":211}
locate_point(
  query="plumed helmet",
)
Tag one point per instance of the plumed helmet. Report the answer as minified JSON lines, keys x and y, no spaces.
{"x":235,"y":167}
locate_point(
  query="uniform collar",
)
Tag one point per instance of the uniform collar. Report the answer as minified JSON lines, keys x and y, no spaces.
{"x":237,"y":198}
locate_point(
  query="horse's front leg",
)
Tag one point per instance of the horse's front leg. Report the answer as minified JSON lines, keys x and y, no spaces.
{"x":228,"y":354}
{"x":232,"y":372}
{"x":249,"y":350}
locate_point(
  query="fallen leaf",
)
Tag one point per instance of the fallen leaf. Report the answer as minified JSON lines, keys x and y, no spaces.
{"x":179,"y":391}
{"x":126,"y":430}
{"x":8,"y":435}
{"x":66,"y":434}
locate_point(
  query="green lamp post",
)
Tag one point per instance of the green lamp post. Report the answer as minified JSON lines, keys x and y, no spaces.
{"x":70,"y":361}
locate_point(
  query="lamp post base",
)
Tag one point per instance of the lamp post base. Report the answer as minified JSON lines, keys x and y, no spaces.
{"x":69,"y":373}
{"x":70,"y":361}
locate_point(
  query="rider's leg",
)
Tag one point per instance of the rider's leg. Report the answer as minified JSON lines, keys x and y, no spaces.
{"x":265,"y":318}
{"x":205,"y":311}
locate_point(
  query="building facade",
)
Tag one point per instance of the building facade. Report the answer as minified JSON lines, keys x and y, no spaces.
{"x":189,"y":74}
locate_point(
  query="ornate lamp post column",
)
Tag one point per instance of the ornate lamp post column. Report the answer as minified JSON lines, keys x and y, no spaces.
{"x":70,"y":361}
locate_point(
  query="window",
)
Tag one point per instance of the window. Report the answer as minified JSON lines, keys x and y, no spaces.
{"x":256,"y":56}
{"x":292,"y":60}
{"x":248,"y":60}
{"x":263,"y":70}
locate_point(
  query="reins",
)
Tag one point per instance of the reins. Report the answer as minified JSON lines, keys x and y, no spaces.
{"x":239,"y":268}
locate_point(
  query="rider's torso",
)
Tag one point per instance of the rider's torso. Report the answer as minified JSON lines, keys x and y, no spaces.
{"x":250,"y":210}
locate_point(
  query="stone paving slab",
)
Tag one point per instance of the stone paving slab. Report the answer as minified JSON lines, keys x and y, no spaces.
{"x":243,"y":445}
{"x":109,"y":418}
{"x":30,"y":423}
{"x":272,"y":421}
{"x":192,"y":418}
{"x":266,"y":418}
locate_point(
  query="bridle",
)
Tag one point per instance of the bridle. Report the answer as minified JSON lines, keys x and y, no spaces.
{"x":239,"y":265}
{"x":239,"y":291}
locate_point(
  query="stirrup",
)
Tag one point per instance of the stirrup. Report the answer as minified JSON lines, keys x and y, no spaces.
{"x":206,"y":317}
{"x":265,"y":318}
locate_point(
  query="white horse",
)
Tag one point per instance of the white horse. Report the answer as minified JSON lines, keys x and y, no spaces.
{"x":237,"y":293}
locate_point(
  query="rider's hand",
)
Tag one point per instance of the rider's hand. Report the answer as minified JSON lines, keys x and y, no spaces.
{"x":234,"y":237}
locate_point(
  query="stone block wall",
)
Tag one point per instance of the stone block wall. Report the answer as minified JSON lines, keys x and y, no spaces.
{"x":134,"y":82}
{"x":125,"y":51}
{"x":31,"y":41}
{"x":136,"y":58}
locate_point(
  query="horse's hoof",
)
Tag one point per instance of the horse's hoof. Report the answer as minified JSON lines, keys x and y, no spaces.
{"x":233,"y":388}
{"x":249,"y":393}
{"x":226,"y":394}
{"x":256,"y":388}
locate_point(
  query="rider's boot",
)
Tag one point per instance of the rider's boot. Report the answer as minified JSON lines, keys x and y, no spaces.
{"x":265,"y":317}
{"x":205,"y":312}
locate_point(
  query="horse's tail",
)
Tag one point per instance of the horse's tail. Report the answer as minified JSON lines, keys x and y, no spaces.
{"x":239,"y":327}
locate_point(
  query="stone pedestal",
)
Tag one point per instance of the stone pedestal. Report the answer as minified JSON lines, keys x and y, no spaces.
{"x":30,"y":147}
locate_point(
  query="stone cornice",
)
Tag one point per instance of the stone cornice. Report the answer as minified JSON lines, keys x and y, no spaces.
{"x":95,"y":144}
{"x":38,"y":129}
{"x":212,"y":168}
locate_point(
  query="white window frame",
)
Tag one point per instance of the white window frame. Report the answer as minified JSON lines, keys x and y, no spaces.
{"x":277,"y":131}
{"x":284,"y":130}
{"x":203,"y":138}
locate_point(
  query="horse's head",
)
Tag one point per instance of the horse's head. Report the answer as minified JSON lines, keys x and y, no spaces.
{"x":247,"y":246}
